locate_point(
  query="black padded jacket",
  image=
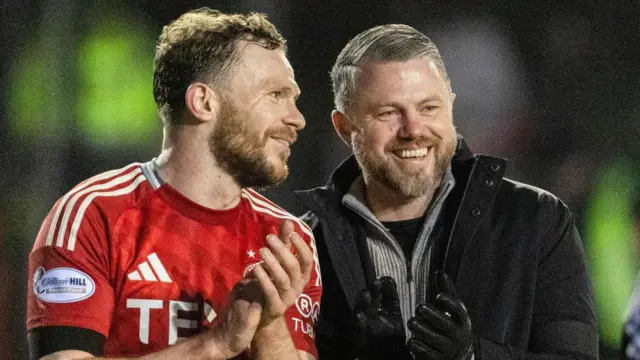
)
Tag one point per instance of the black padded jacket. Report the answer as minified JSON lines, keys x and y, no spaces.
{"x":512,"y":249}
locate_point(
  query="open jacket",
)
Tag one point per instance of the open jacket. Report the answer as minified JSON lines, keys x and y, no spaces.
{"x":512,"y":250}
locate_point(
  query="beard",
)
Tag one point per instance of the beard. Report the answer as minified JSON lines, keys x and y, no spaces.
{"x":240,"y":150}
{"x":410,"y":183}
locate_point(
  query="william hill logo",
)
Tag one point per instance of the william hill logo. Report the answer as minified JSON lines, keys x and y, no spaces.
{"x":66,"y":281}
{"x":62,"y":285}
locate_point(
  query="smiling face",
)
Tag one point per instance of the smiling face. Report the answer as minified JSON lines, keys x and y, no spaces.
{"x":258,"y":119}
{"x":400,"y":125}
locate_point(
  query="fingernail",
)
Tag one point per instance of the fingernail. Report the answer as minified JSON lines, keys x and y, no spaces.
{"x":264,"y":253}
{"x":271,"y":239}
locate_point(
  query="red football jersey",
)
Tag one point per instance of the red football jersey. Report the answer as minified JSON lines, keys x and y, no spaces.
{"x":129,"y":257}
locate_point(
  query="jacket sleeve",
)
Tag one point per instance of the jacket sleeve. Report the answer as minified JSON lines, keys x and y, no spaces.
{"x":333,"y":338}
{"x":563,"y":324}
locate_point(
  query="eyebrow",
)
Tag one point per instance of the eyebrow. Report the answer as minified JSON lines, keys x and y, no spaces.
{"x":396,"y":104}
{"x":296,"y":90}
{"x":430,"y":98}
{"x":291,"y":88}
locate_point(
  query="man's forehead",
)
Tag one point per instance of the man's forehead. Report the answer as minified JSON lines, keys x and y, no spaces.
{"x":250,"y":49}
{"x":287,"y":64}
{"x":289,"y":67}
{"x":394,"y":69}
{"x":255,"y":55}
{"x":383,"y":77}
{"x":264,"y":67}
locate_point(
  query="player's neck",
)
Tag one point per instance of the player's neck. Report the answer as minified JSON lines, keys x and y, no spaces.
{"x":388,"y":205}
{"x":193,"y":171}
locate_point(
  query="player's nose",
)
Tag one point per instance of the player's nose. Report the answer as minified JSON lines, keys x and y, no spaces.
{"x":295,"y":118}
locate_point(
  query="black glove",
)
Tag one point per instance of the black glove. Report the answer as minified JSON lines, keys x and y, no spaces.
{"x":379,"y":327}
{"x":442,"y":330}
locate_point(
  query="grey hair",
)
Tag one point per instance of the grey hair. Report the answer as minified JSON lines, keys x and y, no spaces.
{"x":384,"y":43}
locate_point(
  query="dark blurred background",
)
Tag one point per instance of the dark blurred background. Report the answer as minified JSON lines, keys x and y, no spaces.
{"x":551,"y":86}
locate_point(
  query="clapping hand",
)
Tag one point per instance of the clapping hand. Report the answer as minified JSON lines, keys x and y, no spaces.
{"x":442,"y":330}
{"x":380,"y":329}
{"x":283,"y":273}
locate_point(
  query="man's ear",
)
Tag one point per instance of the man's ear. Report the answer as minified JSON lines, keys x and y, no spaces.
{"x":201,"y":101}
{"x":342,"y":125}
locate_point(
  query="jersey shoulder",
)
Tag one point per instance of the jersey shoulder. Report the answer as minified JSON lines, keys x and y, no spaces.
{"x":269,"y":211}
{"x":93,"y":204}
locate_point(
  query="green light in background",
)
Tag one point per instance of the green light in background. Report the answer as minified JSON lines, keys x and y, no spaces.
{"x":115,"y":100}
{"x":609,"y":235}
{"x":27,"y":95}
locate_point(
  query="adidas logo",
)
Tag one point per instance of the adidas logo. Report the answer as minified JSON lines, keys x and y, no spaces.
{"x":157,"y":274}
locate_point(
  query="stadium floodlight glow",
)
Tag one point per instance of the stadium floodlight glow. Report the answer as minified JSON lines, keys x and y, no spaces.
{"x":115,"y":101}
{"x":609,"y":242}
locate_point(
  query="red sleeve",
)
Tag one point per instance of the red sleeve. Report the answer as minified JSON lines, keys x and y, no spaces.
{"x":69,"y":269}
{"x":303,"y":316}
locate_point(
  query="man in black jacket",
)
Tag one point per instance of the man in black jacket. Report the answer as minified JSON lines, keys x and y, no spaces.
{"x":426,"y":250}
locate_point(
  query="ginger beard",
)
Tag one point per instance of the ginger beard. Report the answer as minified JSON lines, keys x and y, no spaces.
{"x":411,"y":181}
{"x":241,"y":151}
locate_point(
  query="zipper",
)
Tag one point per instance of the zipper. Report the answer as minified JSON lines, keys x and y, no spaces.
{"x":389,"y":237}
